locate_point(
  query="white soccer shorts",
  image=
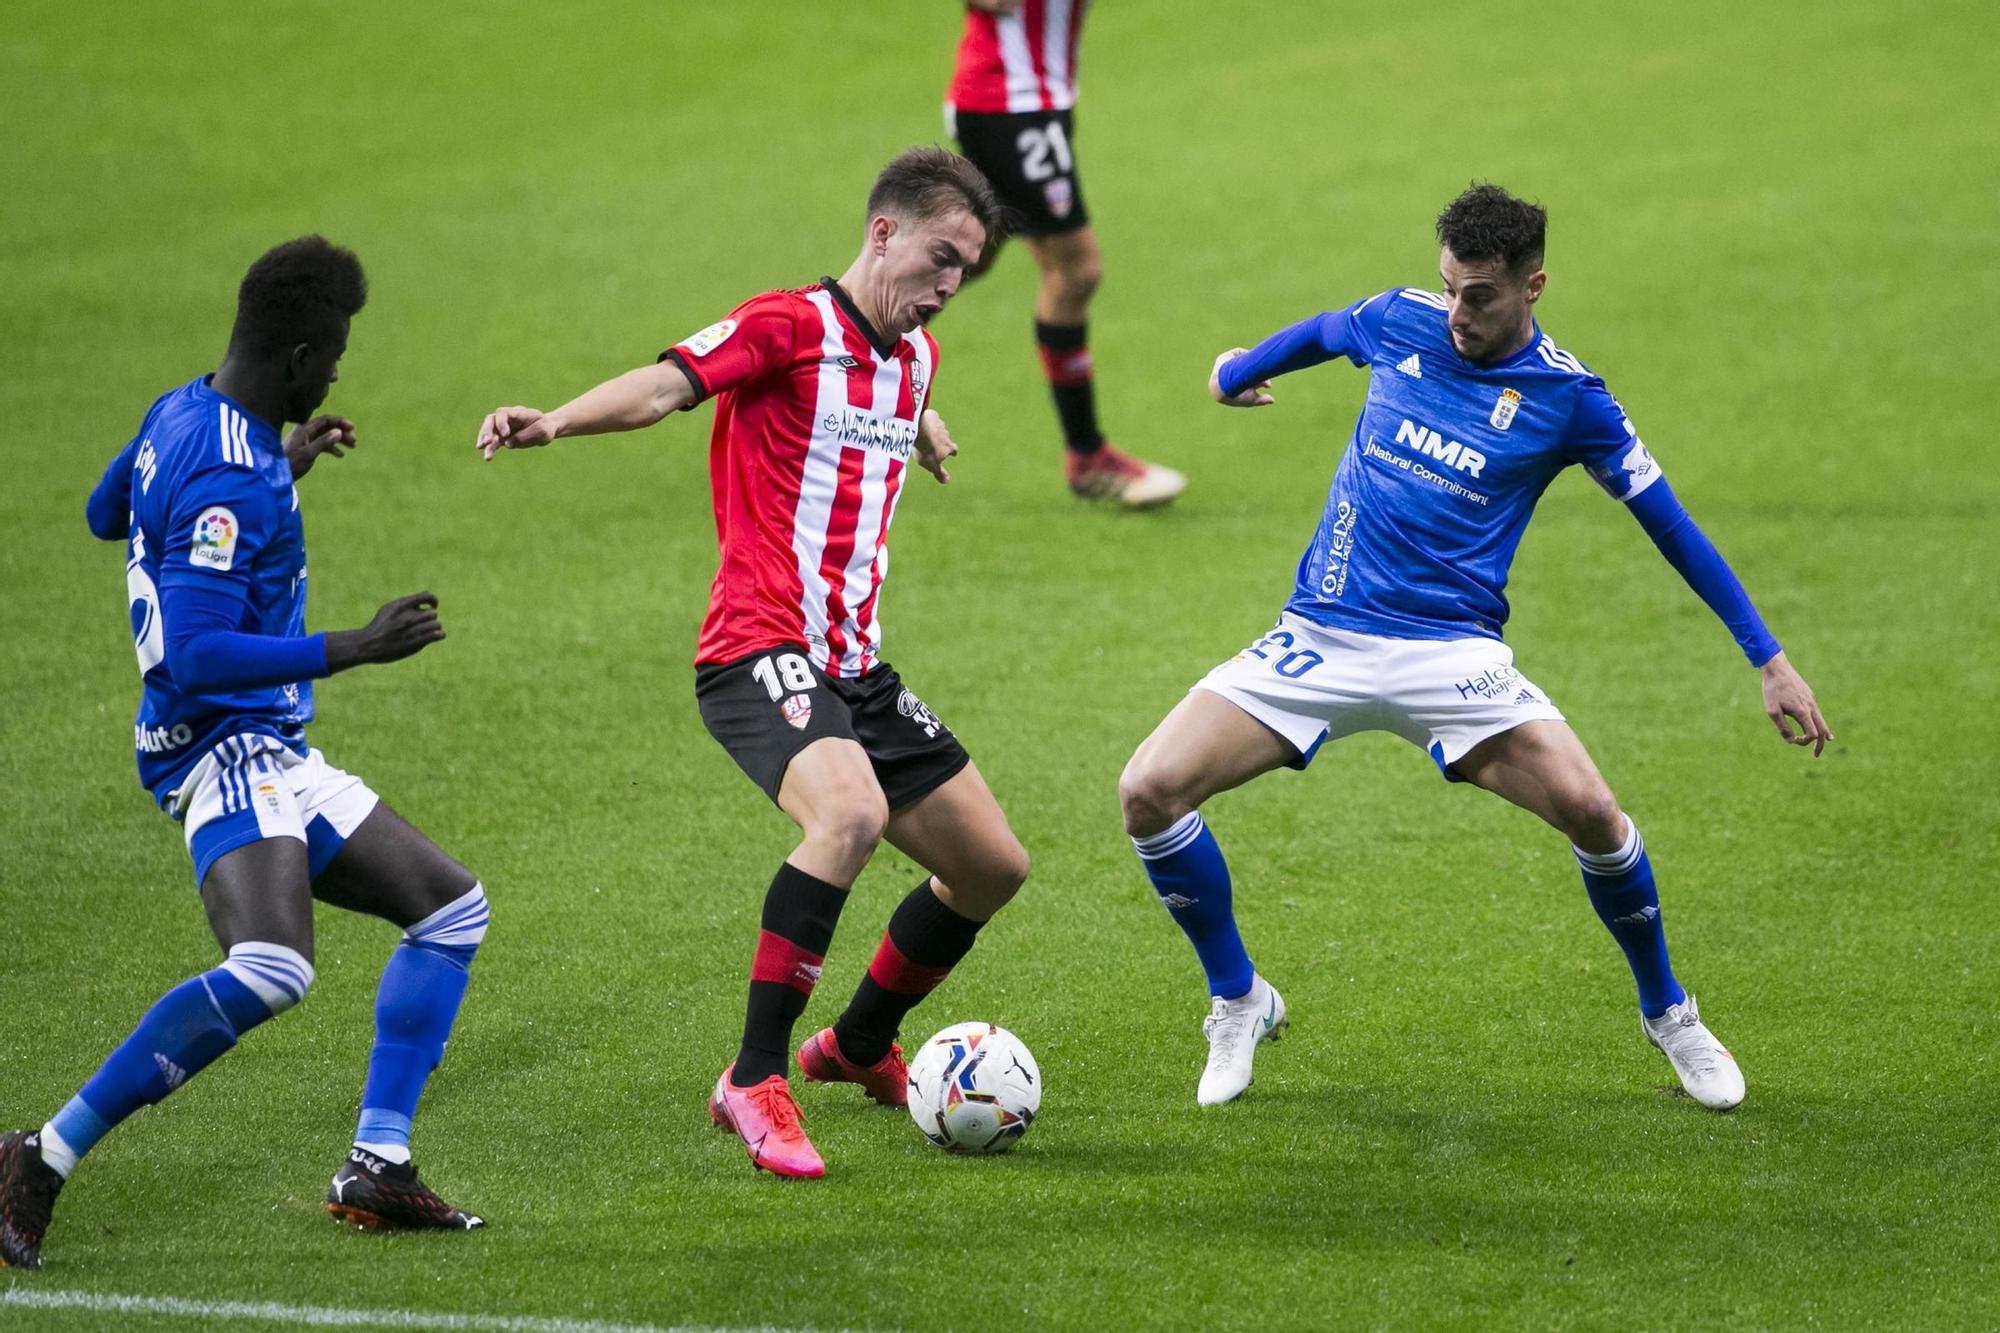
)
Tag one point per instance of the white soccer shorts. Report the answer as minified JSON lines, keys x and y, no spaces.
{"x":1311,"y":684}
{"x":251,"y":787}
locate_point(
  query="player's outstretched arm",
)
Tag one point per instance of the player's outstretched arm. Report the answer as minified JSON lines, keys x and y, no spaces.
{"x":1787,"y":698}
{"x":634,"y":400}
{"x":934,"y":445}
{"x":324,"y":434}
{"x":1241,"y":377}
{"x":206,"y":654}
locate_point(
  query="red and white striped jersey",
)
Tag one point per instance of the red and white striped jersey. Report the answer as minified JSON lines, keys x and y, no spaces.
{"x":1023,"y":61}
{"x":815,"y":420}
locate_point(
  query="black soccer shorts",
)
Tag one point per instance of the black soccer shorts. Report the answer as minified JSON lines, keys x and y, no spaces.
{"x":765,"y":708}
{"x":1030,"y":158}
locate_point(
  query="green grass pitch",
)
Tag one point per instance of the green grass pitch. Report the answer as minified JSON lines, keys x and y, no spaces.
{"x":1774,"y":234}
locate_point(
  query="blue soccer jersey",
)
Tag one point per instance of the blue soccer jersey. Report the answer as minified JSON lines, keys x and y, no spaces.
{"x":213,"y":515}
{"x":1444,"y":467}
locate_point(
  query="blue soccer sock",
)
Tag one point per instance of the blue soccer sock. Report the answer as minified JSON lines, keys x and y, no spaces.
{"x":184,"y":1032}
{"x":1621,"y":890}
{"x":1192,"y":879}
{"x":415,"y":1007}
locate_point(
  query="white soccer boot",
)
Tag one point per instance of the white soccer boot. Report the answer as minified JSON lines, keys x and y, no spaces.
{"x":1706,"y":1068}
{"x":1233,"y":1028}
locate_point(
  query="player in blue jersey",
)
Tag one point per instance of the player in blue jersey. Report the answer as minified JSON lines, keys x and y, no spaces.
{"x":216,"y":571}
{"x":1395,"y":622}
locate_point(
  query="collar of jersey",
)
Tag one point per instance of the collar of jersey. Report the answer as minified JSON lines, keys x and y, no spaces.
{"x":884,"y":348}
{"x":262,"y":431}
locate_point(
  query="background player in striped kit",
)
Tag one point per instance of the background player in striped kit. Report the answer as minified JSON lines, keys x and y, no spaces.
{"x":204,"y":497}
{"x":1011,"y":108}
{"x":1395,"y":620}
{"x":821,"y":401}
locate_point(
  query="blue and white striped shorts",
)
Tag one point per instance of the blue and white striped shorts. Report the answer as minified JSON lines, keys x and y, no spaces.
{"x":252,"y":787}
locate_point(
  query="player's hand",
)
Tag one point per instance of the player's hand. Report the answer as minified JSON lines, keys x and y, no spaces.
{"x":995,"y":6}
{"x":514,"y":428}
{"x":401,"y":628}
{"x":1788,"y":699}
{"x":934,"y":445}
{"x":322,"y":435}
{"x":1254,"y":396}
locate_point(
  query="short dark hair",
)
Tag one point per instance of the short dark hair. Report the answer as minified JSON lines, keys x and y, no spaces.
{"x":1488,"y":223}
{"x":303,"y":291}
{"x":923,"y":183}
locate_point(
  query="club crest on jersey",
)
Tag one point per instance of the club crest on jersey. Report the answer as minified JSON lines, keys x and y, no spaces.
{"x":917,"y":382}
{"x":1504,"y":408}
{"x":710,"y":338}
{"x":1060,"y":196}
{"x":798,"y":711}
{"x":214,"y":540}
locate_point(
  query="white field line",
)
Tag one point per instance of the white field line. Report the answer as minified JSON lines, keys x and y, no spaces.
{"x":24,"y":1297}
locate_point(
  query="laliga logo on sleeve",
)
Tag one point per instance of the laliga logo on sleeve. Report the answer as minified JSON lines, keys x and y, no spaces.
{"x":214,"y":544}
{"x":1504,"y":408}
{"x":710,"y":338}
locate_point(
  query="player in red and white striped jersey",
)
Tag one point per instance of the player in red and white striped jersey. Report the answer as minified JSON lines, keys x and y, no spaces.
{"x":822,"y":401}
{"x":1018,"y":55}
{"x":1010,"y":108}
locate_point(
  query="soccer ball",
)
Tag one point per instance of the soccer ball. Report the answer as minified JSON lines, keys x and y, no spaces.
{"x":974,"y":1088}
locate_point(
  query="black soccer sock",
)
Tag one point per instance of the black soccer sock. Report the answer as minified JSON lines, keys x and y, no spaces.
{"x":1065,"y":352}
{"x":799,"y":915}
{"x":924,"y":941}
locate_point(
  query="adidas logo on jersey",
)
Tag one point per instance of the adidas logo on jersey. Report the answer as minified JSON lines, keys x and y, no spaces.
{"x":1411,"y":366}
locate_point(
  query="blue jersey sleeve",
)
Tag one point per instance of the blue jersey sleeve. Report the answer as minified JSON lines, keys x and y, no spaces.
{"x":217,"y":522}
{"x":109,"y":509}
{"x":1353,"y":332}
{"x":207,"y":654}
{"x":1602,"y":439}
{"x":1688,"y":549}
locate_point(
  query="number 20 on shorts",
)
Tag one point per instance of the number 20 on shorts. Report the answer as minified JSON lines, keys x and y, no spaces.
{"x":1295,"y":662}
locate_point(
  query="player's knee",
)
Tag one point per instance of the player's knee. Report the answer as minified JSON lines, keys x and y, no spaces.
{"x":854,"y":825}
{"x":1591,"y":817}
{"x":1078,"y":278}
{"x":456,"y":930}
{"x":1148,"y":797}
{"x":274,"y":976}
{"x":1009,"y":871}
